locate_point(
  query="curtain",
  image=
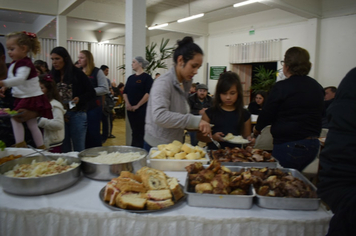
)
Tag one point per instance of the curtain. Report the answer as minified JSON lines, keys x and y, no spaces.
{"x":46,"y":47}
{"x":74,"y":47}
{"x":261,"y":51}
{"x":111,"y":55}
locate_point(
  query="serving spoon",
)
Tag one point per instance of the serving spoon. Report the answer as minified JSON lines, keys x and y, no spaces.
{"x":215,"y":142}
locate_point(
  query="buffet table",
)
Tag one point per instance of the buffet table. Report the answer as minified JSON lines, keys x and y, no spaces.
{"x":79,"y":211}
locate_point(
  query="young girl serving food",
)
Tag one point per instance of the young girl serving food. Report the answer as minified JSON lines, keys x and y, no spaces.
{"x":22,"y":77}
{"x":227,"y":113}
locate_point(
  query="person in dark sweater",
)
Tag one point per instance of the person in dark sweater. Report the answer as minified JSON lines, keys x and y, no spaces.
{"x":328,"y":99}
{"x":337,"y":175}
{"x":294,"y":109}
{"x":75,"y":90}
{"x":136,"y":94}
{"x":255,"y":107}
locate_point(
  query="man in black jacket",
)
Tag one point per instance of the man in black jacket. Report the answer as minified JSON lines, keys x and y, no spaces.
{"x":337,"y":186}
{"x":199,"y":102}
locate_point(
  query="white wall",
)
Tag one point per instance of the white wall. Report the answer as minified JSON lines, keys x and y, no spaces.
{"x":337,"y":49}
{"x":333,"y":55}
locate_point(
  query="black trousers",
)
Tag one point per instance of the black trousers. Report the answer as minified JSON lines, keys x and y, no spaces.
{"x":137,"y":123}
{"x":344,"y":219}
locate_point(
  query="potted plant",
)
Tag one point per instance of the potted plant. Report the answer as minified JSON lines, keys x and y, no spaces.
{"x":264,"y":79}
{"x":154,"y":57}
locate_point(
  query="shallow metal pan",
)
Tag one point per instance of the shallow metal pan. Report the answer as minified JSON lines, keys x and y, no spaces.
{"x":219,"y":200}
{"x":39,"y":185}
{"x":289,"y":203}
{"x":109,"y":171}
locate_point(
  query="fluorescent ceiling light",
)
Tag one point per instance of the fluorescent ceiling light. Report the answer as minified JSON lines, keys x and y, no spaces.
{"x":245,"y":3}
{"x":158,"y":26}
{"x":190,"y":18}
{"x":102,"y":42}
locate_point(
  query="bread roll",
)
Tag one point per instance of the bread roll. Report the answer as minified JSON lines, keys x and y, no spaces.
{"x":193,"y":156}
{"x":161,"y":147}
{"x":158,"y":155}
{"x":180,"y":156}
{"x":188,"y":148}
{"x":177,"y":143}
{"x":173,"y":148}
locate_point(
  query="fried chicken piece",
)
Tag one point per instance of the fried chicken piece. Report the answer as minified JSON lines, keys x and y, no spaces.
{"x":194,"y":168}
{"x":266,"y":155}
{"x":220,"y":191}
{"x":238,"y":159}
{"x":220,"y":181}
{"x":204,"y":188}
{"x":263,"y":190}
{"x":238,"y":191}
{"x":249,"y":149}
{"x":291,"y":190}
{"x":205,"y":176}
{"x":214,"y":166}
{"x":235,"y":181}
{"x":257,"y":157}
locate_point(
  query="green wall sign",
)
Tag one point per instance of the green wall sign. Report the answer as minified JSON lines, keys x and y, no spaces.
{"x":215,"y":71}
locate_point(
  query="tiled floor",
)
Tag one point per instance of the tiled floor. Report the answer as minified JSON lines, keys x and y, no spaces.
{"x":119,"y":131}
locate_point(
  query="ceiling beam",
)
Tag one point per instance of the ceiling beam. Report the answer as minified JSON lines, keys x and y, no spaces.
{"x":66,"y":6}
{"x":99,"y":12}
{"x":304,"y":8}
{"x":41,"y":22}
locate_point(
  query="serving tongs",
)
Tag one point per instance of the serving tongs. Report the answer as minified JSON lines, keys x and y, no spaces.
{"x":215,"y":142}
{"x":37,"y":151}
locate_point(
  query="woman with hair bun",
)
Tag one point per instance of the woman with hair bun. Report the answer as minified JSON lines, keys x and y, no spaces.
{"x":294,"y":109}
{"x":136,"y":93}
{"x":168,"y":113}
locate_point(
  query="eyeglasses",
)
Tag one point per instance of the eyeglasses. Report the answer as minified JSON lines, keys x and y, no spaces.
{"x":282,"y":63}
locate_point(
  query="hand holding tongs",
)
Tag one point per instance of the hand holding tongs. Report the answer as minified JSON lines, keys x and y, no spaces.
{"x":215,"y":142}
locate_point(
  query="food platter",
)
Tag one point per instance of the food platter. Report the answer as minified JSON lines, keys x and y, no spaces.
{"x":115,"y":208}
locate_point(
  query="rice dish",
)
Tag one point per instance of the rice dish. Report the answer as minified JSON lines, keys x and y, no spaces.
{"x":40,"y":169}
{"x":114,"y":157}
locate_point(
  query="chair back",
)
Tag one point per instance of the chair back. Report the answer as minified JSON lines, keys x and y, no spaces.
{"x":264,"y":141}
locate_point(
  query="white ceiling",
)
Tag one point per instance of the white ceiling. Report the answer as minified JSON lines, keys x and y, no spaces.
{"x":108,"y":15}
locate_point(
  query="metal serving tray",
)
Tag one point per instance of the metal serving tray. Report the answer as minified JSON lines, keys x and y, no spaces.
{"x":219,"y":200}
{"x":308,"y":204}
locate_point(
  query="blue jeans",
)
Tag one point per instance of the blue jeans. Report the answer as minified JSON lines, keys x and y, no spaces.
{"x":75,"y":131}
{"x":93,"y":137}
{"x":297,"y":154}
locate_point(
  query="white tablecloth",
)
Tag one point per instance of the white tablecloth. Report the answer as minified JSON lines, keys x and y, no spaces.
{"x":79,"y":211}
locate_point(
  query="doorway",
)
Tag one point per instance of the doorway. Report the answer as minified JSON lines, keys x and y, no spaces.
{"x":246,"y":73}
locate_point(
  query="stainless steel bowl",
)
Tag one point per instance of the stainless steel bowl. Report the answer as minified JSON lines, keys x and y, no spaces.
{"x":39,"y":185}
{"x":109,"y":171}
